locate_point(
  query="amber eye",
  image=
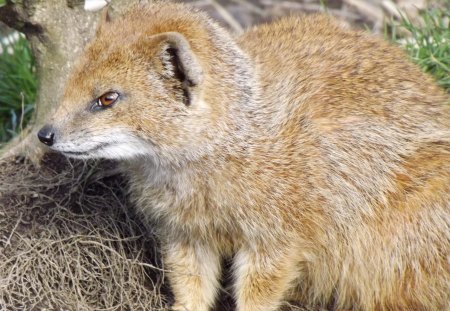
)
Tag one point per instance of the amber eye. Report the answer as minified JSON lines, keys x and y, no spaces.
{"x":107,"y":99}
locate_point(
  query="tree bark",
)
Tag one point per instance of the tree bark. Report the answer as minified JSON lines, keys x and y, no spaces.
{"x":58,"y":31}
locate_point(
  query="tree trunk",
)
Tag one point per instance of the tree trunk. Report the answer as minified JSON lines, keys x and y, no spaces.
{"x":58,"y":31}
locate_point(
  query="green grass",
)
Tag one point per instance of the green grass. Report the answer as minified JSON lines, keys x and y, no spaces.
{"x":429,"y":43}
{"x":17,"y":88}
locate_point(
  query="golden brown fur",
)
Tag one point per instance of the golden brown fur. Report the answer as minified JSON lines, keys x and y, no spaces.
{"x":318,"y":157}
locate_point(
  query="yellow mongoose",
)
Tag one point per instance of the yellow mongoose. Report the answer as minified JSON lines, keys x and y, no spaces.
{"x":318,"y":157}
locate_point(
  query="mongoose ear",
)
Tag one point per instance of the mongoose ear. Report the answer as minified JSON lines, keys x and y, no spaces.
{"x":105,"y":18}
{"x":179,"y":61}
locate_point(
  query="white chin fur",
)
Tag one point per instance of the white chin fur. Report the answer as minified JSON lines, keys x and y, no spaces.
{"x":117,"y":146}
{"x":124,"y":151}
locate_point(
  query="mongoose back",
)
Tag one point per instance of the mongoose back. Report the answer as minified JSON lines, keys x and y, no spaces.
{"x":316,"y":157}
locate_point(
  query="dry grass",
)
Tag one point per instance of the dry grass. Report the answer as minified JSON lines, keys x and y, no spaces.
{"x":68,"y":240}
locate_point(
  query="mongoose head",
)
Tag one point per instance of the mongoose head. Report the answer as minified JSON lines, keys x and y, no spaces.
{"x":142,"y":89}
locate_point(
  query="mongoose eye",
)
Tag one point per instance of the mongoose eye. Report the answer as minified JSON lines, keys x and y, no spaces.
{"x":106,"y":100}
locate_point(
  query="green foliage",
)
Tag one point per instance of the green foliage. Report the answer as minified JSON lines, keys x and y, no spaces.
{"x":429,"y":43}
{"x":17,"y":88}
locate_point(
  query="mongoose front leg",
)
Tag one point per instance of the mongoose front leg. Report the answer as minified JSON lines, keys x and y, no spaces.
{"x":263,"y":278}
{"x":194,"y":273}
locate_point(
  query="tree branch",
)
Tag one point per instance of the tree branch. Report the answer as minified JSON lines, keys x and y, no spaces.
{"x":10,"y":16}
{"x":73,"y":3}
{"x":15,"y":17}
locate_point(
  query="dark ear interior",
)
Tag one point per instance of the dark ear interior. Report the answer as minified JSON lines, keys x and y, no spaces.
{"x":179,"y":62}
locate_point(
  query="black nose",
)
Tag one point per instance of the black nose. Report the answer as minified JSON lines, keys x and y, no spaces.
{"x":47,"y":135}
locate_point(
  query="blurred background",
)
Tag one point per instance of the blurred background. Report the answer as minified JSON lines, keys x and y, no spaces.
{"x":370,"y":14}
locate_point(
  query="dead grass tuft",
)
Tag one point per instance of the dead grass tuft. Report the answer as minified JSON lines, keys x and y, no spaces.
{"x":69,"y":240}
